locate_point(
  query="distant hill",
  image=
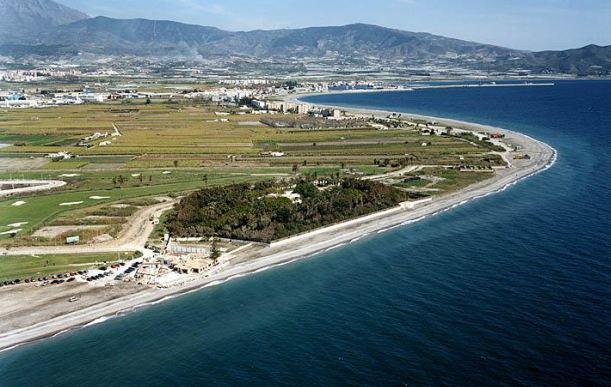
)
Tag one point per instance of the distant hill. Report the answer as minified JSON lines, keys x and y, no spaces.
{"x":45,"y":28}
{"x":591,"y":59}
{"x":24,"y":19}
{"x":103,"y":34}
{"x":588,"y":60}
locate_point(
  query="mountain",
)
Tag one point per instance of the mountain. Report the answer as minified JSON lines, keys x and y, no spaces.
{"x":103,"y":35}
{"x":22,"y":20}
{"x":591,"y":59}
{"x":47,"y":29}
{"x":139,"y":36}
{"x":588,"y":60}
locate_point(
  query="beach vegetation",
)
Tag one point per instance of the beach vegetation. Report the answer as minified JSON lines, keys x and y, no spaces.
{"x":257,"y":212}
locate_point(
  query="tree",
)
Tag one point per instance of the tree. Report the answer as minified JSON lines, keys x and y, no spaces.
{"x":295,"y":168}
{"x":247,"y":211}
{"x":215,"y":253}
{"x":306,"y":189}
{"x":175,"y":162}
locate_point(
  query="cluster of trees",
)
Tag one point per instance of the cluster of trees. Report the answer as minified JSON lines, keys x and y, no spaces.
{"x":248,"y":212}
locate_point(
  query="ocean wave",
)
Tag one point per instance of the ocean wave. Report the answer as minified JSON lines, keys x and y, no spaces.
{"x":166,"y":298}
{"x":335,"y":246}
{"x":96,"y":321}
{"x":10,"y":348}
{"x":411,"y":221}
{"x":62,"y":332}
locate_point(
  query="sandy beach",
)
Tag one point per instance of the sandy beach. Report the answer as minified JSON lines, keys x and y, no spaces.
{"x":115,"y":303}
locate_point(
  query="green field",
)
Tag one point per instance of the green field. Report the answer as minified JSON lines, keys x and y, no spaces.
{"x":42,"y":209}
{"x":27,"y":266}
{"x":174,"y":148}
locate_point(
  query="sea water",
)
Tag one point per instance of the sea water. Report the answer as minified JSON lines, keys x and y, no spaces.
{"x":513,"y":288}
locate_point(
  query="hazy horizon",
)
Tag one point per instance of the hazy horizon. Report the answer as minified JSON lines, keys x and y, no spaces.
{"x":556,"y":24}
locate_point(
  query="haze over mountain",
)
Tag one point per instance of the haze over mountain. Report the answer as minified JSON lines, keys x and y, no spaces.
{"x":104,"y":35}
{"x":26,"y":18}
{"x":47,"y":28}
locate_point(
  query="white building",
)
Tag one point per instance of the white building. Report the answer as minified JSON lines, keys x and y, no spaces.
{"x":60,"y":155}
{"x":93,"y":97}
{"x":303,"y":109}
{"x":259,"y":104}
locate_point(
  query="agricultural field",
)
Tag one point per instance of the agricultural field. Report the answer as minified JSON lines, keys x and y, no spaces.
{"x":185,"y":135}
{"x":173,"y":148}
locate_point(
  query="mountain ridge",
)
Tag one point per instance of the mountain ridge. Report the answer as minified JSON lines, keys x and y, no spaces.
{"x":30,"y":17}
{"x":356,"y":38}
{"x":67,"y":32}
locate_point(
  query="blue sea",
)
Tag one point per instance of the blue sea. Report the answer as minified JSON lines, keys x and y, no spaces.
{"x":511,"y":289}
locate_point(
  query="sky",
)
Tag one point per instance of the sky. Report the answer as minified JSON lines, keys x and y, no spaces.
{"x":521,"y":24}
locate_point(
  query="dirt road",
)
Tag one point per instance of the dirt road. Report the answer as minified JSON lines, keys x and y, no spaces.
{"x":133,"y":237}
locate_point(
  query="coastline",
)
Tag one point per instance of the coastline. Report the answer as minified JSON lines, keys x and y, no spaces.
{"x":543,"y":157}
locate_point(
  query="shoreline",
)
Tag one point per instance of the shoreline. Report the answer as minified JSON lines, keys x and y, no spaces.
{"x":543,"y":157}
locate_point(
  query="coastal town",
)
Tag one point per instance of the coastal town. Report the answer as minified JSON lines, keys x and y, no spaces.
{"x":46,"y":88}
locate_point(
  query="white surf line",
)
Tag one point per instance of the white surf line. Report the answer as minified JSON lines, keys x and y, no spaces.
{"x":210,"y":283}
{"x":283,"y":258}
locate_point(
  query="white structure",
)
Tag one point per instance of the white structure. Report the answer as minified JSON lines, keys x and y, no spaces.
{"x":259,"y":104}
{"x":60,"y":155}
{"x":289,"y":194}
{"x":93,"y":97}
{"x":303,"y":109}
